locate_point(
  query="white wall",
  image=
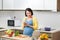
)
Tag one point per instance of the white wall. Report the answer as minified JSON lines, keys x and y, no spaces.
{"x":45,"y":18}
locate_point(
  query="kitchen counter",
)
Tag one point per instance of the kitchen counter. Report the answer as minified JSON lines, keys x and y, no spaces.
{"x":52,"y":31}
{"x":20,"y":37}
{"x":53,"y":34}
{"x":20,"y":28}
{"x":2,"y":30}
{"x":14,"y":28}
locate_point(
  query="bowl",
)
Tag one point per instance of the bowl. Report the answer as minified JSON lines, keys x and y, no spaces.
{"x":47,"y":29}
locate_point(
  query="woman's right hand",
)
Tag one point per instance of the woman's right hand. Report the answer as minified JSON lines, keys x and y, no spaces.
{"x":25,"y":24}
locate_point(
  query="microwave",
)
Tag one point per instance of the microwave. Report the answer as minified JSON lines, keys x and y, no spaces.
{"x":13,"y":23}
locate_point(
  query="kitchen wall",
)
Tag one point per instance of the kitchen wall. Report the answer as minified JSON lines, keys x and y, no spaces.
{"x":45,"y":18}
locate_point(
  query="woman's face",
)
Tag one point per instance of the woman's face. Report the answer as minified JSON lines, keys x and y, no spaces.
{"x":28,"y":14}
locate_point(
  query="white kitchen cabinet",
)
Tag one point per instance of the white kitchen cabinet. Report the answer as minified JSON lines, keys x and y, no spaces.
{"x":8,"y":4}
{"x":33,"y":4}
{"x":50,"y":5}
{"x":20,"y":4}
{"x":36,"y":4}
{"x":0,"y":4}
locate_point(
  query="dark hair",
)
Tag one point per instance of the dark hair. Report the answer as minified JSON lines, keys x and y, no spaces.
{"x":30,"y":10}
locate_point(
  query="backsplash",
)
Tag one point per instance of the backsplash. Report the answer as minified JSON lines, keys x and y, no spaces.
{"x":45,"y":18}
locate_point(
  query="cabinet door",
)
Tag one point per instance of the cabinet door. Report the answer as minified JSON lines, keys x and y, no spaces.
{"x":8,"y":4}
{"x":0,"y":4}
{"x":51,"y":5}
{"x":20,"y":4}
{"x":35,"y":4}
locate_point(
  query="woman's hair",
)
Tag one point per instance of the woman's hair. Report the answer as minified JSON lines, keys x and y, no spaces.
{"x":30,"y":10}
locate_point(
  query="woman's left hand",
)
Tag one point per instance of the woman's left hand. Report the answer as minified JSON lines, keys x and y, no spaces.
{"x":30,"y":26}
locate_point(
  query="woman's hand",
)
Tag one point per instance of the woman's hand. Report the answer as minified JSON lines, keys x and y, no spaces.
{"x":25,"y":24}
{"x":30,"y":26}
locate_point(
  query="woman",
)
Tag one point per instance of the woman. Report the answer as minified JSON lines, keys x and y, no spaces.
{"x":30,"y":23}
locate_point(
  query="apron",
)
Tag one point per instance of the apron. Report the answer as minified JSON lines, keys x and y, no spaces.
{"x":28,"y":30}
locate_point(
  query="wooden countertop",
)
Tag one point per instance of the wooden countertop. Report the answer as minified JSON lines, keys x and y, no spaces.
{"x":21,"y":37}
